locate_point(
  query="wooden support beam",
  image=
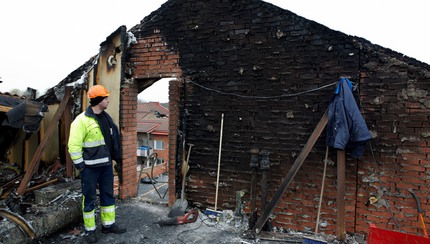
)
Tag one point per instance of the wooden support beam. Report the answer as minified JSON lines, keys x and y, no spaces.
{"x":67,"y":121}
{"x":292,"y":172}
{"x":340,"y":223}
{"x":4,"y":108}
{"x":41,"y":148}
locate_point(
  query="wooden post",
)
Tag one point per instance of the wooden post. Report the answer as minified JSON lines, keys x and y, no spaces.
{"x":340,"y":226}
{"x":67,"y":116}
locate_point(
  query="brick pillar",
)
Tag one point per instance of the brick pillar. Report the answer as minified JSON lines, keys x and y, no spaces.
{"x":128,"y":128}
{"x":174,"y":101}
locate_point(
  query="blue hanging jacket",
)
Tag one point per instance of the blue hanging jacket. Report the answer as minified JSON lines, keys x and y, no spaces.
{"x":346,"y":128}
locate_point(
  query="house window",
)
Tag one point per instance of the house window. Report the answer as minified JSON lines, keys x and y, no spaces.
{"x":159,"y":145}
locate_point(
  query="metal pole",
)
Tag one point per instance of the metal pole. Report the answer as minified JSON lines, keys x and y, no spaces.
{"x":219,"y":161}
{"x":322,"y":191}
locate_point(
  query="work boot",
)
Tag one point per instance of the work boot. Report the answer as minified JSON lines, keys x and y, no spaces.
{"x":113,"y":229}
{"x":91,"y":237}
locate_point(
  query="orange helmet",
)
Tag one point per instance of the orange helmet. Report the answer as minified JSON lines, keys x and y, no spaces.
{"x":97,"y":91}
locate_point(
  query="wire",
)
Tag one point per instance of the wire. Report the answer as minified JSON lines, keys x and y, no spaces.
{"x":264,"y":97}
{"x":202,"y":221}
{"x":185,"y":231}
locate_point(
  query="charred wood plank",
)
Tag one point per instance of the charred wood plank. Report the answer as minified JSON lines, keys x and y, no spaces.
{"x":4,"y":108}
{"x":47,"y":183}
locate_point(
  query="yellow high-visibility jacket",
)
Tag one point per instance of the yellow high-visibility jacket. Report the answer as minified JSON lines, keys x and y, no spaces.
{"x":87,"y":145}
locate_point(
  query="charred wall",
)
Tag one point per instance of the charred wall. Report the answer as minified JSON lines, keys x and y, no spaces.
{"x":272,"y":74}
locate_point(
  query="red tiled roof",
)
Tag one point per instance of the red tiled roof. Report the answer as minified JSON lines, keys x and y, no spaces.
{"x":152,"y":118}
{"x":146,"y":127}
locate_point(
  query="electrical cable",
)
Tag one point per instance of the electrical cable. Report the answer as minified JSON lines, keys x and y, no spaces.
{"x":185,"y":231}
{"x":202,"y":221}
{"x":263,"y":97}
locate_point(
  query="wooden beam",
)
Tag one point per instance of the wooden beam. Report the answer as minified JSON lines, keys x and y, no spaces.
{"x":4,"y":108}
{"x":41,"y":148}
{"x":47,"y":183}
{"x":292,"y":172}
{"x":67,"y":121}
{"x":340,"y":223}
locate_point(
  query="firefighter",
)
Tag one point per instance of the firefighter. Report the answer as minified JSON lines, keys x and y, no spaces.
{"x":93,"y":143}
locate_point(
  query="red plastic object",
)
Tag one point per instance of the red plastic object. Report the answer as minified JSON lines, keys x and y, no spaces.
{"x":382,"y":236}
{"x":190,"y":217}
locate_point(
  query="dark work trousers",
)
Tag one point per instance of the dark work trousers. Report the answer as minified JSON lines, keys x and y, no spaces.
{"x":101,"y":177}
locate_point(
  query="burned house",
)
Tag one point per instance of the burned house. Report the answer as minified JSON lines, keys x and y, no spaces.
{"x":252,"y":84}
{"x":272,"y":74}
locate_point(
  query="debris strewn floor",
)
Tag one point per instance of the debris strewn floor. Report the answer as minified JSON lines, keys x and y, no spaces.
{"x":142,"y":217}
{"x":142,"y":222}
{"x":146,"y":216}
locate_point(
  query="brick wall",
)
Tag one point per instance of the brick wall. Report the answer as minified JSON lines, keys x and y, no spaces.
{"x":269,"y":72}
{"x":394,"y":93}
{"x":128,"y":129}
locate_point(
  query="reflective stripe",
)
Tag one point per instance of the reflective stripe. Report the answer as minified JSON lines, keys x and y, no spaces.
{"x":75,"y":154}
{"x":108,"y":209}
{"x":89,"y":215}
{"x":107,"y":223}
{"x":93,"y":143}
{"x":107,"y":215}
{"x":78,"y":161}
{"x":97,"y":161}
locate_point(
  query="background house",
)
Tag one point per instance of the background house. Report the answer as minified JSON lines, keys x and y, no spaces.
{"x":152,"y":131}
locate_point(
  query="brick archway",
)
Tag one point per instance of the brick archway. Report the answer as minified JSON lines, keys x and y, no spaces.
{"x":151,"y":60}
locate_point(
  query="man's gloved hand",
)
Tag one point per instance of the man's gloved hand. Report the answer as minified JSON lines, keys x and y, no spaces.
{"x":118,"y":169}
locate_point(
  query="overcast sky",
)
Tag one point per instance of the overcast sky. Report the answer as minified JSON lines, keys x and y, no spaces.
{"x":43,"y":41}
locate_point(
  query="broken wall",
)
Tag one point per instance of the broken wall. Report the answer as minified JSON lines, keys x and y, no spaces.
{"x":272,"y":74}
{"x":25,"y":144}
